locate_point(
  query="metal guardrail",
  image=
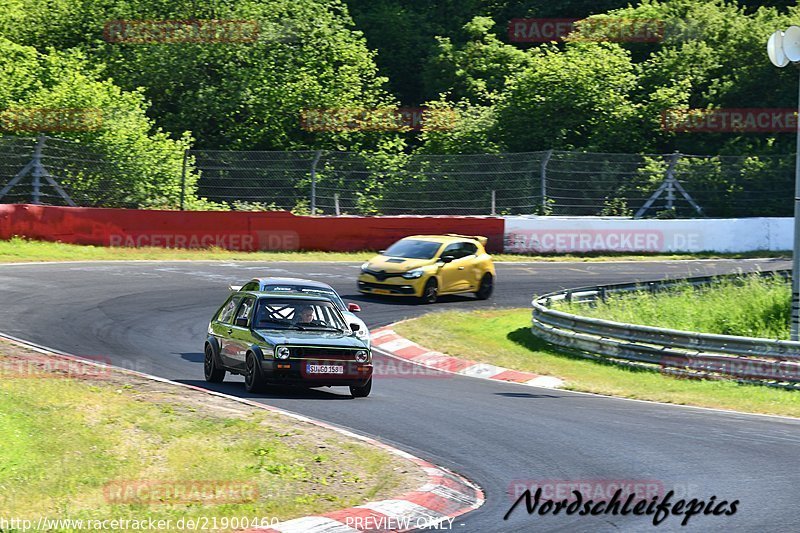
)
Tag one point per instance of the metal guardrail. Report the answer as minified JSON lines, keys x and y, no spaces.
{"x":686,"y":353}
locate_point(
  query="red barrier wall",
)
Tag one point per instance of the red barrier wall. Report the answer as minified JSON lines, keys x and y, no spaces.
{"x":230,"y":230}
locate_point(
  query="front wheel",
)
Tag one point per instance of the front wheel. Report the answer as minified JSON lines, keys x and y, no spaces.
{"x":486,"y":287}
{"x":212,"y":372}
{"x":362,"y":391}
{"x":253,"y":380}
{"x":430,"y":292}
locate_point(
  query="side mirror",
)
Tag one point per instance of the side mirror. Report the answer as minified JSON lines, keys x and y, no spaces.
{"x":241,"y":322}
{"x":446,"y":258}
{"x":353,"y":308}
{"x":355,"y":327}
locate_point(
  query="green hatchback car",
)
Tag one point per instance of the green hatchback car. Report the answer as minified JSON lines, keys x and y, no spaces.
{"x":286,"y":339}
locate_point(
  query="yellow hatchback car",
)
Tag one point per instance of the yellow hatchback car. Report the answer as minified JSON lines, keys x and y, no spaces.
{"x":428,"y":266}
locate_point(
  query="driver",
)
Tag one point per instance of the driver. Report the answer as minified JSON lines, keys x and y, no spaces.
{"x":305,"y":315}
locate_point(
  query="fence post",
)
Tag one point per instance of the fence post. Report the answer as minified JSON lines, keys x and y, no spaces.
{"x":317,"y":155}
{"x":669,"y":185}
{"x":494,"y":198}
{"x":543,"y":175}
{"x":37,"y":170}
{"x":183,"y":179}
{"x":336,"y":203}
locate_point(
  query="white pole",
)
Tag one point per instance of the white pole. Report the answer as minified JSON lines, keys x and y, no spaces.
{"x":795,"y":327}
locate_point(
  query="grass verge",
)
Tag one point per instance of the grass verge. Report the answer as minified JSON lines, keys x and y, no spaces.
{"x":503,"y":338}
{"x":18,"y":250}
{"x":113,"y":446}
{"x":750,"y":306}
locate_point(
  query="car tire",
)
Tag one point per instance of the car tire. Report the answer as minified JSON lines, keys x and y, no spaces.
{"x":253,"y":380}
{"x":430,"y":292}
{"x":362,"y":391}
{"x":213,"y":373}
{"x":485,"y":288}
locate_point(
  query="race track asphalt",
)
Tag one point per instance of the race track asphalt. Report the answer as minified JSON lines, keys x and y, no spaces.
{"x":152,"y":316}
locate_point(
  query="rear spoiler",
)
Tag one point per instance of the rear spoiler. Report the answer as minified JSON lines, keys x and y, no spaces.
{"x":235,"y":288}
{"x":478,"y":238}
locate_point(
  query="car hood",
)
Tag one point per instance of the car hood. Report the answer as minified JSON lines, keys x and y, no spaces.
{"x":311,"y":338}
{"x":397,"y":264}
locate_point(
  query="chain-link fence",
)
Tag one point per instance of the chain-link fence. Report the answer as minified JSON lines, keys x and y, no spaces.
{"x":548,"y":182}
{"x":54,"y":171}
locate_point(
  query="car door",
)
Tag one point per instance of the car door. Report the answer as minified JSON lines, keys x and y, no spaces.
{"x":472,"y":270}
{"x":241,"y":336}
{"x":221,"y":328}
{"x":452,"y":275}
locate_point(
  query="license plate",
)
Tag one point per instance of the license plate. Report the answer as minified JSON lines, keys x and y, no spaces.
{"x":324,"y":369}
{"x":381,"y":291}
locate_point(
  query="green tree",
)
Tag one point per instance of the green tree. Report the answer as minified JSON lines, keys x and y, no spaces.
{"x":131,"y":163}
{"x":578,"y":98}
{"x":477,"y":70}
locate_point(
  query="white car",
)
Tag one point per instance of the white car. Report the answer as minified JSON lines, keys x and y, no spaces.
{"x":307,"y":286}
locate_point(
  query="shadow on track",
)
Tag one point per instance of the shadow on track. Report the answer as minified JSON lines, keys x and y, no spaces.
{"x":192,"y":357}
{"x":272,"y":391}
{"x":408,"y":300}
{"x":526,"y":395}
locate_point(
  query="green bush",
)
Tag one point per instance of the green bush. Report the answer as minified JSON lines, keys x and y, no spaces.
{"x":750,"y":306}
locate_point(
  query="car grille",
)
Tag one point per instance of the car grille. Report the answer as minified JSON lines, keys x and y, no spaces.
{"x":381,"y":275}
{"x":310,"y":352}
{"x":396,"y":289}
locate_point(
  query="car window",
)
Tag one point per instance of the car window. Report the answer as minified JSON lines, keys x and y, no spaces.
{"x":454,"y":250}
{"x":413,"y":249}
{"x":245,"y":308}
{"x":226,"y":313}
{"x":469,"y":248}
{"x":304,"y":289}
{"x":451,"y":249}
{"x":251,"y":286}
{"x":280,"y":313}
{"x":460,"y":249}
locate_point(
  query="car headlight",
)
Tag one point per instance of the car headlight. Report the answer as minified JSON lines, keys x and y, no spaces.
{"x":413,"y":274}
{"x":365,"y":267}
{"x":282,"y":352}
{"x":362,"y":356}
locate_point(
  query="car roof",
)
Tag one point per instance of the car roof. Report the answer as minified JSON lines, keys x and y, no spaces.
{"x":442,"y":238}
{"x":285,"y":295}
{"x":293,"y":281}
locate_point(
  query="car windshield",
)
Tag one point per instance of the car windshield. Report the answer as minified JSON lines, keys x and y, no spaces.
{"x":413,"y":249}
{"x":300,"y":314}
{"x":330,"y":294}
